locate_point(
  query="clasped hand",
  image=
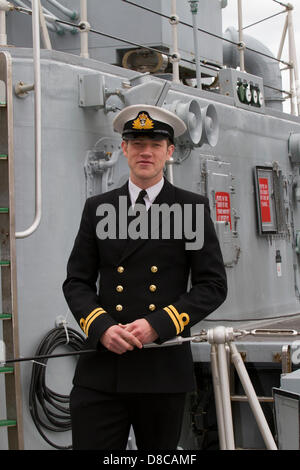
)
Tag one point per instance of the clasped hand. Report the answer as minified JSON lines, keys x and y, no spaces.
{"x":121,"y":338}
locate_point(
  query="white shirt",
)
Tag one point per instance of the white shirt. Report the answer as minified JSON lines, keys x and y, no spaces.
{"x":152,"y":192}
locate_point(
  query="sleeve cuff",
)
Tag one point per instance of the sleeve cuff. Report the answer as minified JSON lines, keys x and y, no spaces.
{"x":168,"y":322}
{"x":95,"y":324}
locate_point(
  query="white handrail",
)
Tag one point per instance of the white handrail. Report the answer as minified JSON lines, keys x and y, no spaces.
{"x":44,"y":29}
{"x":174,"y":22}
{"x":37,"y":123}
{"x":242,"y":45}
{"x":4,"y":7}
{"x":293,"y":58}
{"x":84,"y":33}
{"x":194,"y":11}
{"x":218,"y":337}
{"x":3,"y":36}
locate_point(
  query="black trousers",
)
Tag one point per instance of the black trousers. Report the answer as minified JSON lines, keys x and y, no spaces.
{"x":102,"y":421}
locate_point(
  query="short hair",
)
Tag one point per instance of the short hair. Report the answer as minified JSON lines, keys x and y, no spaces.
{"x":157,"y":137}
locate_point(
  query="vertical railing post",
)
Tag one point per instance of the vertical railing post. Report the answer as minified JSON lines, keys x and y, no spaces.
{"x":174,"y":20}
{"x":294,"y":72}
{"x":241,"y":43}
{"x":194,"y":10}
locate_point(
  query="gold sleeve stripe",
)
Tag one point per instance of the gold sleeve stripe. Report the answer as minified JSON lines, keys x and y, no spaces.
{"x":173,"y":318}
{"x":173,"y":309}
{"x":182,"y":318}
{"x":92,"y":313}
{"x":87,"y":325}
{"x":86,"y":322}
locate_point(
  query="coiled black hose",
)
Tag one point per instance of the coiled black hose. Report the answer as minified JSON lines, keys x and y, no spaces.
{"x":50,"y":410}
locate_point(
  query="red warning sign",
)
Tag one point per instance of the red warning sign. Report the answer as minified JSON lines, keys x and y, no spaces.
{"x":264,"y":195}
{"x":223,"y":212}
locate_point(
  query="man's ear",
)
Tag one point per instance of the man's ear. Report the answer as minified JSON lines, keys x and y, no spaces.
{"x":124,"y":145}
{"x":170,"y":151}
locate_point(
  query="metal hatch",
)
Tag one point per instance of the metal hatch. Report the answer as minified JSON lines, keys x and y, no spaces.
{"x":219,"y":190}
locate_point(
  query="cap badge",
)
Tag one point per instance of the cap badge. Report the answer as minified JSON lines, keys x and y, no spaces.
{"x":143,"y":121}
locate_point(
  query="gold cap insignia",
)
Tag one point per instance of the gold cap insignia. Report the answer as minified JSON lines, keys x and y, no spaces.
{"x":143,"y":121}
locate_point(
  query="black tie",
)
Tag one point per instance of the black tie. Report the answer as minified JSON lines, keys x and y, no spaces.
{"x":140,"y":199}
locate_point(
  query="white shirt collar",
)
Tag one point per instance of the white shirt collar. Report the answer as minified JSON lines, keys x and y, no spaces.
{"x":152,"y":192}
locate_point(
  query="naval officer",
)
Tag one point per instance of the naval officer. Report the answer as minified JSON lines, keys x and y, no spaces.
{"x":127,"y":293}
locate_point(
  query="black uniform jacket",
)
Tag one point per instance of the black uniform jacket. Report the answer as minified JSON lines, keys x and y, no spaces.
{"x":111,"y":281}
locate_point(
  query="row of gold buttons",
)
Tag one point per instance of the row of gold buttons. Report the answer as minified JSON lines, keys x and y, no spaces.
{"x":152,"y":288}
{"x":121,"y":269}
{"x":119,"y":307}
{"x":120,"y":288}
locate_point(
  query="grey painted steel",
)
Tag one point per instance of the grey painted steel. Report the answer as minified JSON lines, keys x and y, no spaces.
{"x":291,"y":382}
{"x":256,"y":64}
{"x":81,"y":156}
{"x":71,"y":131}
{"x":287,"y":415}
{"x":116,"y":18}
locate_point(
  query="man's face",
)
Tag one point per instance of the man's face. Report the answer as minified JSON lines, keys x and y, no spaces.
{"x":146,"y":159}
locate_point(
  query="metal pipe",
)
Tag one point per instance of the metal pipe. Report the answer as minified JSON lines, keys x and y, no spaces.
{"x":51,"y":26}
{"x":292,"y":83}
{"x":4,"y":7}
{"x":44,"y":29}
{"x":225,"y":391}
{"x":3,"y":36}
{"x":218,"y":396}
{"x":55,"y":27}
{"x":174,"y":20}
{"x":194,"y":10}
{"x":84,"y":33}
{"x":241,"y":43}
{"x":72,"y":14}
{"x":244,"y":398}
{"x":169,"y":170}
{"x":37,"y":119}
{"x":293,"y":56}
{"x":253,"y":400}
{"x":21,"y":4}
{"x":61,"y":27}
{"x":285,"y":28}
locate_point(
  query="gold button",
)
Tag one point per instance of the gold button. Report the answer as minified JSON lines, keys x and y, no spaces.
{"x":152,"y":307}
{"x":119,"y":288}
{"x":152,"y":288}
{"x":119,"y":308}
{"x":120,"y":269}
{"x":154,"y":269}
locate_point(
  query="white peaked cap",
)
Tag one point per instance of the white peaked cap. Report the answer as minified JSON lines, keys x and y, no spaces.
{"x":156,"y":114}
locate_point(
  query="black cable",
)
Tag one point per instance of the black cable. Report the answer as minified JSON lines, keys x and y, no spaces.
{"x":282,"y":4}
{"x":264,"y":19}
{"x":50,"y":410}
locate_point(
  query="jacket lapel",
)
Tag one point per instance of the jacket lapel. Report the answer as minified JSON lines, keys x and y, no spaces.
{"x":122,"y":204}
{"x":166,"y":195}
